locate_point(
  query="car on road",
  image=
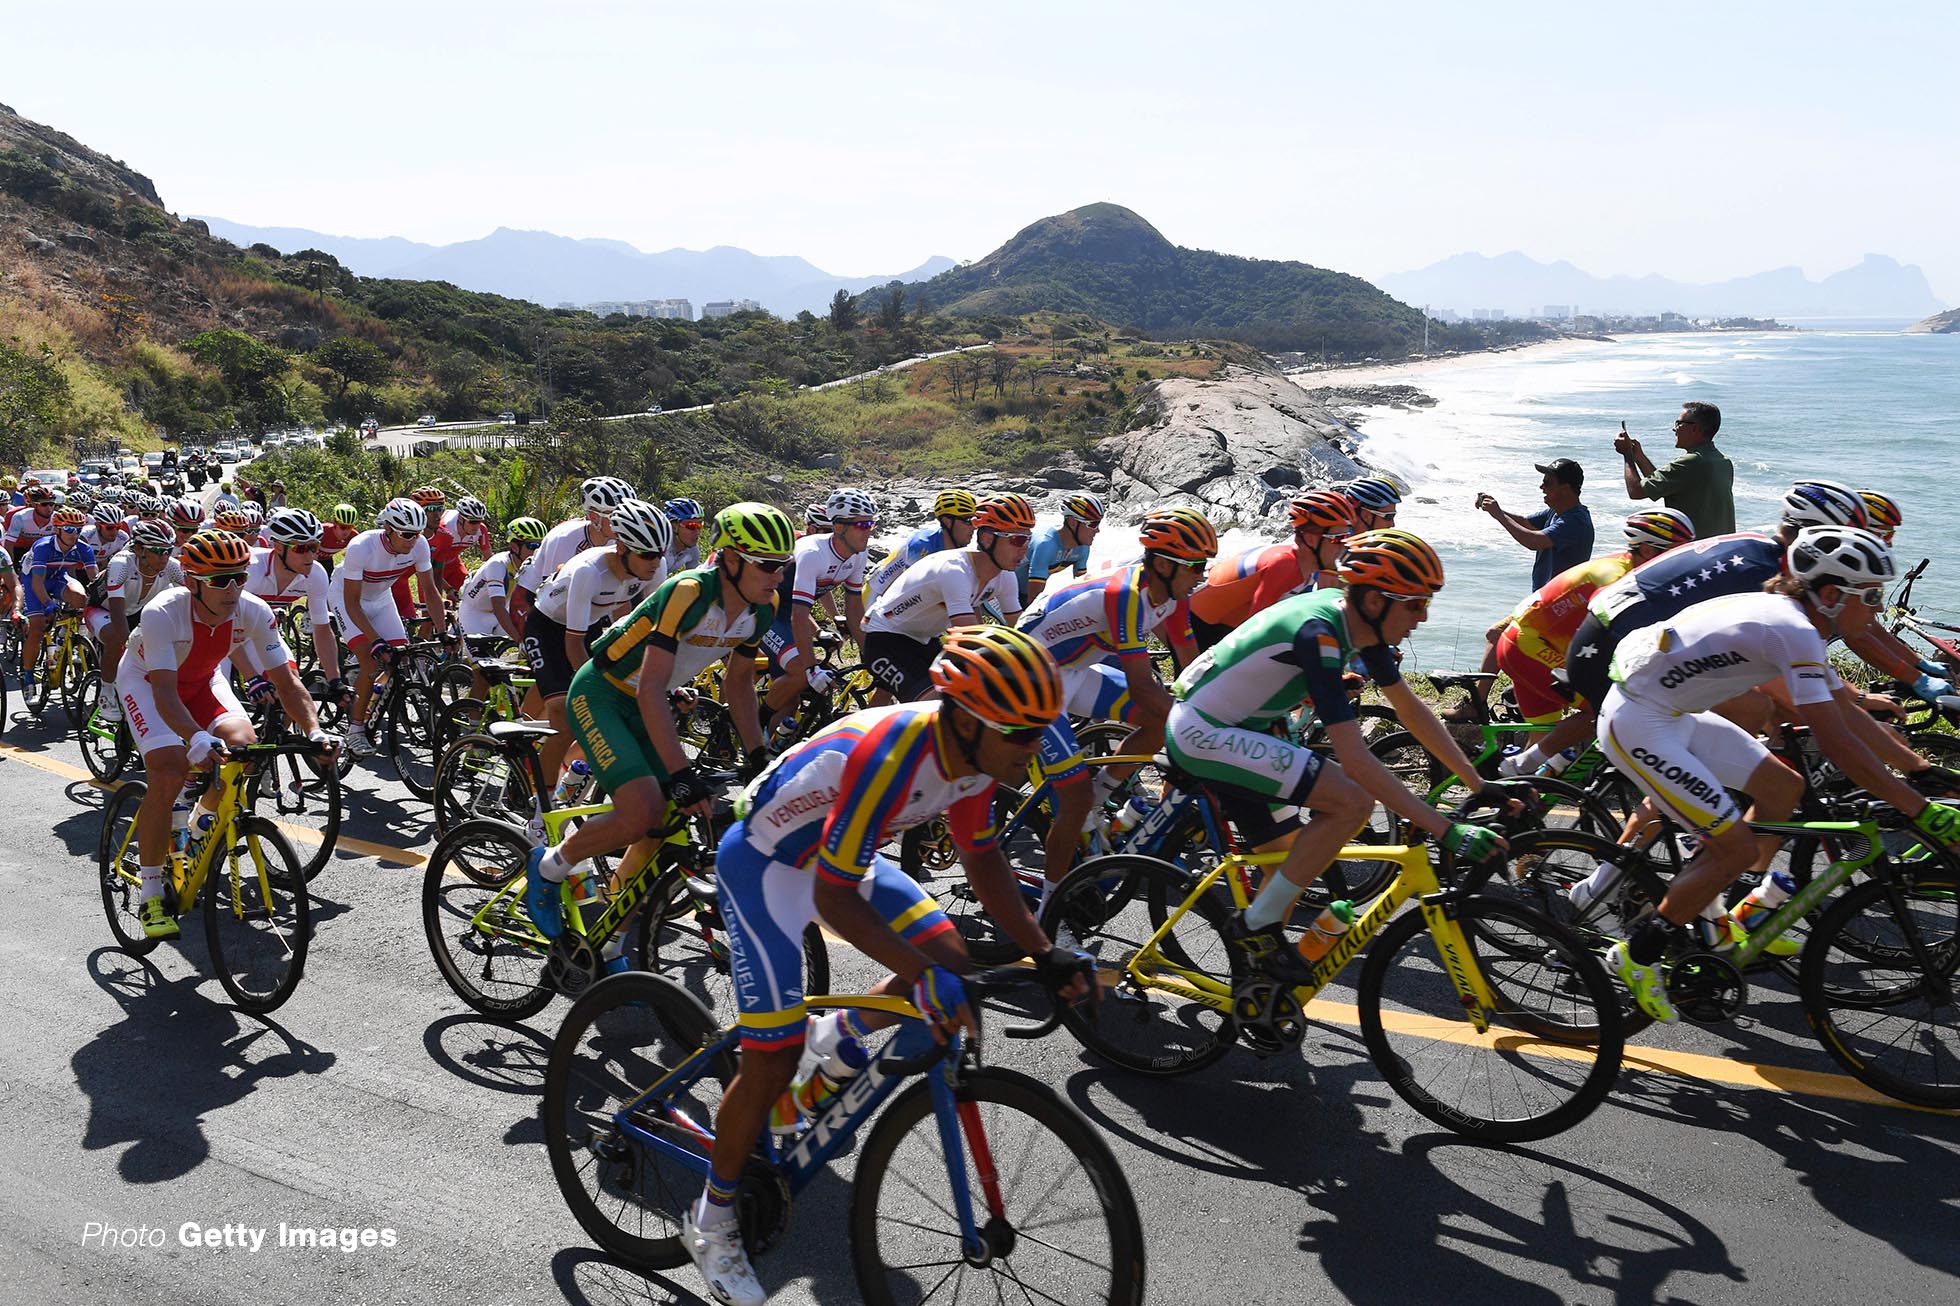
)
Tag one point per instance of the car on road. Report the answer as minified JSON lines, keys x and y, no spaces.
{"x":55,"y":476}
{"x":95,"y":473}
{"x":652,"y":409}
{"x":426,"y":419}
{"x":508,"y":419}
{"x":152,"y":462}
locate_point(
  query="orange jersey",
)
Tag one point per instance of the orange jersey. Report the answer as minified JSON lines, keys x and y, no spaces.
{"x":1546,"y":621}
{"x":1249,"y":582}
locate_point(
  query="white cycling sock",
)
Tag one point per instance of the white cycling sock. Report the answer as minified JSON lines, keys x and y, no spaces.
{"x":1530,"y":760}
{"x":1274,"y":903}
{"x":152,"y":882}
{"x":554,"y":867}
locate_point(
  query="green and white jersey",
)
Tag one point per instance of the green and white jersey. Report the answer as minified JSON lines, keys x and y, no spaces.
{"x":1292,"y":652}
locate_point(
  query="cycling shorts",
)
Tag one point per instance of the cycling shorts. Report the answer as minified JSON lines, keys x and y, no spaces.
{"x":1686,"y":763}
{"x":1275,"y":769}
{"x":900,"y":664}
{"x":33,"y":607}
{"x":1589,"y":660}
{"x":544,"y":653}
{"x":1207,"y":633}
{"x":381,"y":614}
{"x":453,"y":573}
{"x":766,"y":906}
{"x":1531,"y":679}
{"x":209,"y":705}
{"x":97,"y":620}
{"x":1098,"y":692}
{"x":608,"y":726}
{"x":779,"y":646}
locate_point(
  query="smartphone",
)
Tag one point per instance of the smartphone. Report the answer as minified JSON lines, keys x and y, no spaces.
{"x":1623,"y":427}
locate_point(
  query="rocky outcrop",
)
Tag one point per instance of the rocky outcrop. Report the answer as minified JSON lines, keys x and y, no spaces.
{"x":1235,"y":446}
{"x":1940,"y":324}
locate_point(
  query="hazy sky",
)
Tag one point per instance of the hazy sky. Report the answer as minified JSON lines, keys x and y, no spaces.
{"x":1700,"y":140}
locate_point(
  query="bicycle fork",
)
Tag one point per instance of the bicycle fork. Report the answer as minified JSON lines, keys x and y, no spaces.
{"x":1439,"y":913}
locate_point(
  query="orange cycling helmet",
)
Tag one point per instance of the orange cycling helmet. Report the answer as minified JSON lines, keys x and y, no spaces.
{"x":1883,"y":512}
{"x":428,"y":496}
{"x":1323,"y":511}
{"x":1181,"y":533}
{"x":211,"y":553}
{"x":1004,"y":676}
{"x":234,"y":519}
{"x":1003,"y":512}
{"x":70,"y":519}
{"x":1393,"y":561}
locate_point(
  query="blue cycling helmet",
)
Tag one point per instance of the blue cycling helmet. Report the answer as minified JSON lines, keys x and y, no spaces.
{"x":683,"y":510}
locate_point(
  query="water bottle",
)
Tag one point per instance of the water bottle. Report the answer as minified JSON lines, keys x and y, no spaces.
{"x":1765,"y":898}
{"x":200,"y":829}
{"x":1507,"y":761}
{"x":1127,"y":817}
{"x":839,"y":1059}
{"x":1326,"y":930}
{"x":180,"y":822}
{"x":571,"y":784}
{"x":1563,"y":760}
{"x":582,"y":886}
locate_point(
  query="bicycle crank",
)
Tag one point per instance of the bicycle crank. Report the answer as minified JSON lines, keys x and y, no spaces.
{"x":1269,"y":1017}
{"x":571,"y":965}
{"x":1706,"y":989}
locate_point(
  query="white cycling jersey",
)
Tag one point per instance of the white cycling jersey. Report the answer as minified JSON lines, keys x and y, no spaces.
{"x":370,"y":570}
{"x":561,"y":544}
{"x":125,"y":582}
{"x":1713,"y":651}
{"x":920,"y":604}
{"x":816,"y":570}
{"x":485,"y":586}
{"x":585,"y":589}
{"x":262,"y":579}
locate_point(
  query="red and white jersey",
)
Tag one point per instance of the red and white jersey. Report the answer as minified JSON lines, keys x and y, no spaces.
{"x":262,"y":579}
{"x":171,"y":638}
{"x":367,"y":569}
{"x":456,"y":537}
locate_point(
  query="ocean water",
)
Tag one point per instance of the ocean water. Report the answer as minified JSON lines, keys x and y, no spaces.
{"x":1870,"y":407}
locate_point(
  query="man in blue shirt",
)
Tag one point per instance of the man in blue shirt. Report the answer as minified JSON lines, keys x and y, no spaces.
{"x":57,"y":560}
{"x":1561,"y":533}
{"x":1056,"y":547}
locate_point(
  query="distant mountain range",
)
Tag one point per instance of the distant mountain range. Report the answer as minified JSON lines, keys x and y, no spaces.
{"x":1877,"y":287}
{"x":1106,"y":261}
{"x":547,"y":269}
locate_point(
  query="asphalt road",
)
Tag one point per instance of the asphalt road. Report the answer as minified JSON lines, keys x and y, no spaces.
{"x":376,"y":1101}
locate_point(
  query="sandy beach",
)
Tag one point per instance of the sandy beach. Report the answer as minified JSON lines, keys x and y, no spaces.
{"x":1407,"y":373}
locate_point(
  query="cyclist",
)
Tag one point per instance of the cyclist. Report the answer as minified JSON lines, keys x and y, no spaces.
{"x":1656,"y":725}
{"x":233,"y":521}
{"x":619,"y":705}
{"x":1882,"y":514}
{"x":136,"y":575}
{"x":290,"y":570}
{"x":1088,"y":621}
{"x":951,"y":528}
{"x":598,"y":496}
{"x":177,"y":697}
{"x":816,"y":520}
{"x":106,"y":532}
{"x":56,"y":571}
{"x":1245,"y":583}
{"x":225,"y":497}
{"x":33,"y":521}
{"x":483,"y":611}
{"x":903,"y":629}
{"x":432,"y":500}
{"x":1375,"y":501}
{"x":1055,"y":547}
{"x":359,"y":594}
{"x":339,"y":533}
{"x":186,"y":517}
{"x":1233,"y":697}
{"x":578,"y":601}
{"x":464,"y":527}
{"x":806,"y":850}
{"x":685,"y":552}
{"x":1533,"y":642}
{"x":831,"y":560}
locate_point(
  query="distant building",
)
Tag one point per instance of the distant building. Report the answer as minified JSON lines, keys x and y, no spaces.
{"x":1558,"y":312}
{"x":674,"y":308}
{"x":1447,"y":315}
{"x":724,"y":307}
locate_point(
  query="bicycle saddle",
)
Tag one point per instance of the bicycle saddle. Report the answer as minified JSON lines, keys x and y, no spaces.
{"x":520,"y":732}
{"x":1459,"y":679}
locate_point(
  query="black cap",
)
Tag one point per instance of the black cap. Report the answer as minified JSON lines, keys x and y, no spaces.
{"x":1565,"y":470}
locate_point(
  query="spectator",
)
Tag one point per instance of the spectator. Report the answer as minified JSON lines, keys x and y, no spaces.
{"x":1560,"y":533}
{"x":277,"y":498}
{"x":1699,"y":482}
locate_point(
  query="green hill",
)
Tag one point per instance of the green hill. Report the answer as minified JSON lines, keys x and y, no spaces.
{"x":1106,"y":261}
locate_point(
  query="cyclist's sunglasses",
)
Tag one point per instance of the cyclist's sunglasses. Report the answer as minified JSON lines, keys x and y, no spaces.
{"x":648,"y":555}
{"x":1420,"y":602}
{"x":161,"y":552}
{"x":861,"y":524}
{"x":1873,"y":595}
{"x":1013,"y":537}
{"x":1017,"y":736}
{"x":225,"y":580}
{"x":313,"y":547}
{"x":771,"y":565}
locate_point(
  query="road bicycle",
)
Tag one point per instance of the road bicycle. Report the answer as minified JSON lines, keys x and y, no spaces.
{"x":257,"y":916}
{"x":107,"y":748}
{"x":399,"y":720}
{"x":66,"y":657}
{"x":975,"y":1183}
{"x":1511,"y":1032}
{"x":299,"y":791}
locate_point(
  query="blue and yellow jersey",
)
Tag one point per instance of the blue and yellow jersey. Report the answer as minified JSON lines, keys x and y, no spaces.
{"x":1089,"y":620}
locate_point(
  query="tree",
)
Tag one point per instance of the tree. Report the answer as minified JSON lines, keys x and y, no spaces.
{"x":352,"y":362}
{"x":843,"y":312}
{"x":34,"y":399}
{"x":891,"y":314}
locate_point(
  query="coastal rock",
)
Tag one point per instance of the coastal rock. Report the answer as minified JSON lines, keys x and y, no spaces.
{"x":1939,"y":324}
{"x":1371,"y":396}
{"x":1233,"y":446}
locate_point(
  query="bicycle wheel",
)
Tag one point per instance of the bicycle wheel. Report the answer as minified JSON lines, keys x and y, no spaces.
{"x":478,"y":778}
{"x":1138,"y":1025}
{"x":258,"y":929}
{"x":1053,"y":1207}
{"x":106,"y":746}
{"x":1878,"y":984}
{"x":35,"y":696}
{"x":478,"y":931}
{"x":303,"y":797}
{"x":625,"y":1033}
{"x":1529,"y":1076}
{"x":688,"y":944}
{"x":927,"y":854}
{"x":120,"y":871}
{"x":76,"y":668}
{"x":412,"y":740}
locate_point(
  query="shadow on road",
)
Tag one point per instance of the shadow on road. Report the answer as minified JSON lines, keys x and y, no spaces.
{"x":175,"y":1059}
{"x":590,"y":1278}
{"x":489,"y":1054}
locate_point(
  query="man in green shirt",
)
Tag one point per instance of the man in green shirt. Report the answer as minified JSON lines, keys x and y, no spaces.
{"x":1699,"y":482}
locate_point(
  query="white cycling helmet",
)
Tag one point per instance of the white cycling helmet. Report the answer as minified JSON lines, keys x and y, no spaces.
{"x":471,"y":508}
{"x":1849,"y":556}
{"x":107,"y":513}
{"x":252,"y":510}
{"x":404,"y":515}
{"x":1824,"y":503}
{"x":642,"y":527}
{"x":153,"y":535}
{"x":602,"y":494}
{"x":850,"y":505}
{"x":293,"y":526}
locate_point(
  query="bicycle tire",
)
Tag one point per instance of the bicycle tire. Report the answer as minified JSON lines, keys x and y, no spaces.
{"x":300,"y":794}
{"x":106,"y":756}
{"x":75,"y":670}
{"x":1141,"y":1029}
{"x":469,"y":870}
{"x":1030,"y":1173}
{"x":1566,"y":973}
{"x":680,"y":944}
{"x":119,"y":872}
{"x":1834,"y":1005}
{"x":411,"y":740}
{"x":478,"y":778}
{"x":644,"y":1025}
{"x":259,"y":965}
